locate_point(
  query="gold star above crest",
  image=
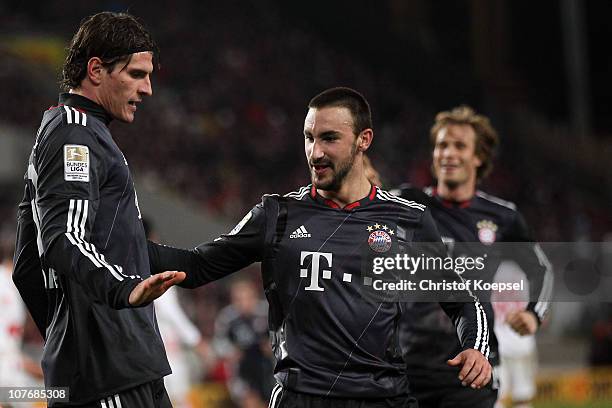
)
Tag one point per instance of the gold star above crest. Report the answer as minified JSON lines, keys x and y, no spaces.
{"x":377,"y":225}
{"x":391,"y":232}
{"x":385,"y":227}
{"x":370,"y":228}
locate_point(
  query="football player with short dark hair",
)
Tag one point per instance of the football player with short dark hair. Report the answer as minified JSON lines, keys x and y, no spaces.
{"x":81,"y":260}
{"x":333,"y":346}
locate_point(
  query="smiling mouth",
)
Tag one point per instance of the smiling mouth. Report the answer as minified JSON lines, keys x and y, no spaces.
{"x":449,"y":166}
{"x":320,"y":168}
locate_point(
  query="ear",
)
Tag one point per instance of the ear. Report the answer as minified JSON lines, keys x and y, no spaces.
{"x":365,"y":139}
{"x":477,"y":161}
{"x":95,"y":70}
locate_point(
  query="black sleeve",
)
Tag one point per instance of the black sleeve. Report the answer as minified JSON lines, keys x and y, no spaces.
{"x":214,"y":260}
{"x":411,"y":193}
{"x":67,"y":203}
{"x":534,"y":263}
{"x":472,"y":324}
{"x":469,"y":318}
{"x":28,"y":274}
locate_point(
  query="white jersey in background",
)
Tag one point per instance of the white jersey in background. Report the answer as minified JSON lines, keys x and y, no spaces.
{"x":518,"y":354}
{"x":178,"y":334}
{"x":12,"y":320}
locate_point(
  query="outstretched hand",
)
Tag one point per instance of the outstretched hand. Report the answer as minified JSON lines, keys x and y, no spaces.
{"x":154,"y":286}
{"x":475,"y":368}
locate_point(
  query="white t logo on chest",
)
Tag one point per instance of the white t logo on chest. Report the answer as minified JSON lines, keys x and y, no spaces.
{"x":315,"y":268}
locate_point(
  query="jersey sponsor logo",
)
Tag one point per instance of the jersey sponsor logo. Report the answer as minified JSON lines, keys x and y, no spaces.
{"x":380,"y":237}
{"x":300,"y":233}
{"x":486,"y":231}
{"x":76,"y":163}
{"x":315,"y":263}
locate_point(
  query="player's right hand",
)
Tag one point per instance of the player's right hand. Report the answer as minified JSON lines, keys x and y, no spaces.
{"x":154,"y":286}
{"x":475,"y":368}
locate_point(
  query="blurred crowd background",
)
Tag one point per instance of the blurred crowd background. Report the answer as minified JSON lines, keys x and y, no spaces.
{"x":225,"y":125}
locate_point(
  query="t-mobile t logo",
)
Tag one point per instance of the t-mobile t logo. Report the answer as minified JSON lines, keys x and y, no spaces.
{"x":314,"y":259}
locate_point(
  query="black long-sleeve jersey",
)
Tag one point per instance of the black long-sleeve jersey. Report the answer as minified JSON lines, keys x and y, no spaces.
{"x":80,"y":251}
{"x":485,"y":220}
{"x":327,"y":338}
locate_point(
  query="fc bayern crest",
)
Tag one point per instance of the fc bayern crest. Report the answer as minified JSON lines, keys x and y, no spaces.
{"x":486,"y":231}
{"x":380,"y":237}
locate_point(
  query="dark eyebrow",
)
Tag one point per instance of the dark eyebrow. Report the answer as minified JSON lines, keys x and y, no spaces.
{"x":329,"y":133}
{"x":138,"y":71}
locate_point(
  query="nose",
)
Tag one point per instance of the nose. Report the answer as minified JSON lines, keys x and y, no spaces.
{"x":316,"y":151}
{"x":448,"y":151}
{"x":145,"y":87}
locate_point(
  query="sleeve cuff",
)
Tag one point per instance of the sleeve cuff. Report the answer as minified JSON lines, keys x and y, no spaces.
{"x":122,"y":298}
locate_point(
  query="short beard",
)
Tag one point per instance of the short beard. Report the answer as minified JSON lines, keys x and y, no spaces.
{"x":339,"y":175}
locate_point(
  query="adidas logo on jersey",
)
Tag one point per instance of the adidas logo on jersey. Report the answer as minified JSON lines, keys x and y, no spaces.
{"x":300,"y":233}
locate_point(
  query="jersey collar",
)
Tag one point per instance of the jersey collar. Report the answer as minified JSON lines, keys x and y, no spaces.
{"x":332,"y":204}
{"x":86,"y":104}
{"x":449,"y":203}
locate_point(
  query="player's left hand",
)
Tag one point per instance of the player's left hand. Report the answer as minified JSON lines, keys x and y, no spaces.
{"x":154,"y":286}
{"x":475,"y":368}
{"x":523,"y":322}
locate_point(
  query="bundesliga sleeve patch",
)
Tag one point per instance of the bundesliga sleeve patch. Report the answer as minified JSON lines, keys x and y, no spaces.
{"x":76,"y":163}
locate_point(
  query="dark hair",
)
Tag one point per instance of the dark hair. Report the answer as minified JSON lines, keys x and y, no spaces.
{"x":112,"y":37}
{"x":486,"y":136}
{"x":346,"y":98}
